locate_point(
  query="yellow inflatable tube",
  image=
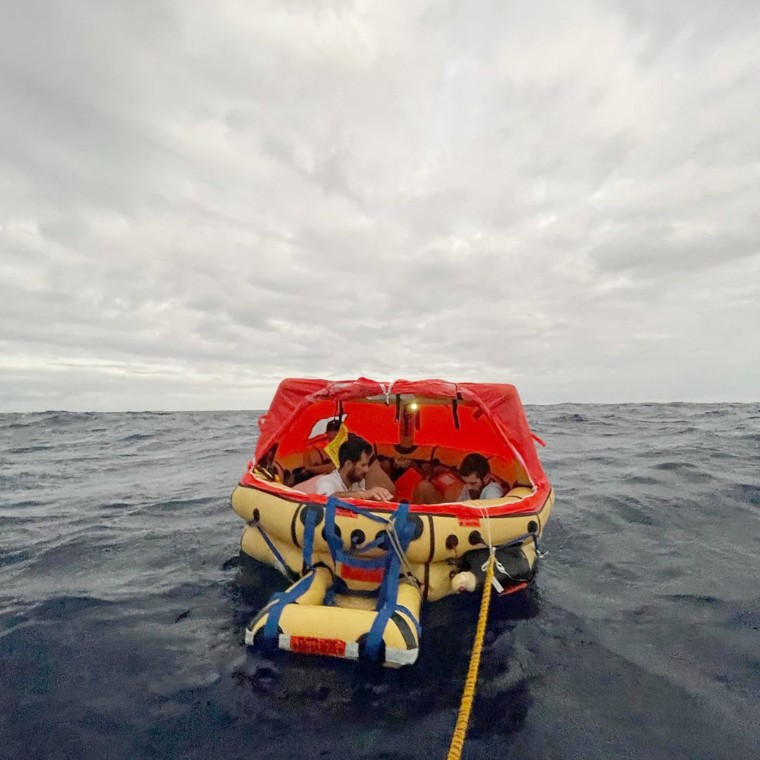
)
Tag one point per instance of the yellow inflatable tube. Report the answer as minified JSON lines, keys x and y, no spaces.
{"x":304,"y":624}
{"x":438,"y":538}
{"x":434,"y":578}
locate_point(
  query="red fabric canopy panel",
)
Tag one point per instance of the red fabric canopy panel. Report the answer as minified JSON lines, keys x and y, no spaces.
{"x":491,"y":417}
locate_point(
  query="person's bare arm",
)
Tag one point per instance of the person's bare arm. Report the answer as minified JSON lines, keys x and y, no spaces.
{"x":368,"y":494}
{"x":313,"y":464}
{"x":376,"y":476}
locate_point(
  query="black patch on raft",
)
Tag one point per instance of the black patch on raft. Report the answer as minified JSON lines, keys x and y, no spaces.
{"x":404,"y":630}
{"x":432,"y":539}
{"x":336,"y":530}
{"x":512,"y":559}
{"x":475,"y":538}
{"x":357,"y":537}
{"x":318,"y":508}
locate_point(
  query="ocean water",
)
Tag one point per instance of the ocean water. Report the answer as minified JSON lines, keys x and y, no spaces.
{"x":123,"y":601}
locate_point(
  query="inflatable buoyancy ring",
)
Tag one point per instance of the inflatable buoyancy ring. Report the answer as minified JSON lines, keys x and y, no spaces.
{"x":298,"y":621}
{"x":437,"y":538}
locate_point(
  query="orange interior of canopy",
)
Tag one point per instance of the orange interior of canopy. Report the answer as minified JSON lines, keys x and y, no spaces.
{"x":433,"y":425}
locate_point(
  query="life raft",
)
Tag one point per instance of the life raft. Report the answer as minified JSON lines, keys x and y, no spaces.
{"x":360,"y":570}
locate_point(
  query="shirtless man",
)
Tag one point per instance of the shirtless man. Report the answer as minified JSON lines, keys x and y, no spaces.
{"x":315,"y":460}
{"x":348,"y":480}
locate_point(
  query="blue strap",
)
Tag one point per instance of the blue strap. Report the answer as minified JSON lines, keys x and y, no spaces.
{"x":339,"y":587}
{"x":404,"y":526}
{"x":335,"y":543}
{"x":272,"y":548}
{"x":388,"y":596}
{"x":379,"y":541}
{"x":520,"y":539}
{"x":309,"y":525}
{"x":404,"y":529}
{"x":388,"y":591}
{"x":336,"y":588}
{"x":366,"y":563}
{"x":386,"y":605}
{"x":281,"y":599}
{"x":408,"y":613}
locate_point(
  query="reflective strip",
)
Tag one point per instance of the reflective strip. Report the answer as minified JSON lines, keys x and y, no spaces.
{"x":401,"y":656}
{"x":351,"y":652}
{"x":392,"y":655}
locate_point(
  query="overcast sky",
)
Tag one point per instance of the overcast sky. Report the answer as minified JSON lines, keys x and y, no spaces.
{"x":198,"y":199}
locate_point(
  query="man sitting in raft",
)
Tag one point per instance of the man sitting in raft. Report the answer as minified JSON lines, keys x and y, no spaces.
{"x":348,"y":480}
{"x":478,"y":481}
{"x":315,"y":460}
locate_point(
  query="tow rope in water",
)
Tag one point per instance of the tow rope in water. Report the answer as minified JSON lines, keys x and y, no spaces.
{"x":468,"y":693}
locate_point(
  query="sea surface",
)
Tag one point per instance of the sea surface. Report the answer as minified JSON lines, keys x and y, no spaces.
{"x":123,"y":600}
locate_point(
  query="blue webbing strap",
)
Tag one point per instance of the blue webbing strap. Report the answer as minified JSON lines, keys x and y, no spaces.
{"x":388,"y":592}
{"x":408,"y":613}
{"x":339,"y":586}
{"x":278,"y":557}
{"x":367,"y":563}
{"x":281,"y":599}
{"x":333,"y":541}
{"x":336,"y":543}
{"x":309,"y":525}
{"x":387,"y":598}
{"x":520,"y":539}
{"x":379,"y":541}
{"x":386,"y":604}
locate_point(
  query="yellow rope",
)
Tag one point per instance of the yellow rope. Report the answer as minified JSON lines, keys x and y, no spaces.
{"x":468,"y":694}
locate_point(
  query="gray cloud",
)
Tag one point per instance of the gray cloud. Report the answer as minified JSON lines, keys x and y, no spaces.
{"x":198,"y":201}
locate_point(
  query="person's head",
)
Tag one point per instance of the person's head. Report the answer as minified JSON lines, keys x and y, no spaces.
{"x":333,"y":426}
{"x":474,"y":470}
{"x":353,"y":457}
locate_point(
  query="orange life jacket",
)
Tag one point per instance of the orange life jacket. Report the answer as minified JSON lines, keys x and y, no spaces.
{"x":406,"y":484}
{"x":443,"y":480}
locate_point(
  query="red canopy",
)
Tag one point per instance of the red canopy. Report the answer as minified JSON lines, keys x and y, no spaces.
{"x":491,"y":416}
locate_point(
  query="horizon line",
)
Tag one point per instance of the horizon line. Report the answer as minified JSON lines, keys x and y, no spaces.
{"x":529,"y":404}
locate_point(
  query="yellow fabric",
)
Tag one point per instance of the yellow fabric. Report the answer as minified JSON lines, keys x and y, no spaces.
{"x":333,"y":447}
{"x":468,"y":694}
